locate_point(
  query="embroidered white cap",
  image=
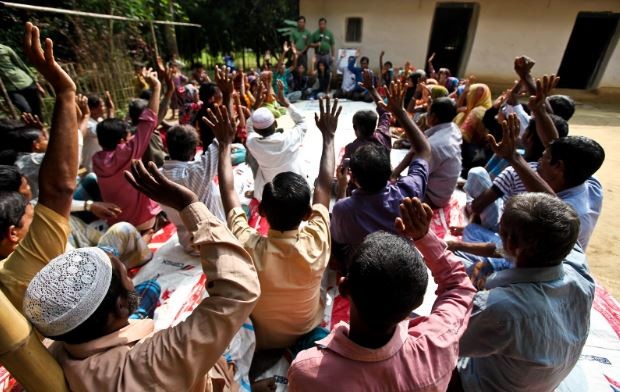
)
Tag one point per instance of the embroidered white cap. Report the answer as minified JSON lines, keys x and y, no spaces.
{"x":68,"y":290}
{"x":262,"y":118}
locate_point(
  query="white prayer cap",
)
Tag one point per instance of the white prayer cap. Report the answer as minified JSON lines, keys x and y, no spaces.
{"x":262,"y":119}
{"x":68,"y":290}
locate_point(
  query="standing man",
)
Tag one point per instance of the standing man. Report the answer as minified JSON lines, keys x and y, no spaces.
{"x":300,"y":39}
{"x":20,"y":82}
{"x":323,"y":43}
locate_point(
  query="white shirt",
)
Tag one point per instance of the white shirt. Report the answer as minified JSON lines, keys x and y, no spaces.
{"x":91,"y":144}
{"x":524,"y":118}
{"x":277,"y":153}
{"x":444,"y":167}
{"x":197,"y":175}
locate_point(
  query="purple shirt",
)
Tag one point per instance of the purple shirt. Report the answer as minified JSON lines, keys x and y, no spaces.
{"x":363,"y":213}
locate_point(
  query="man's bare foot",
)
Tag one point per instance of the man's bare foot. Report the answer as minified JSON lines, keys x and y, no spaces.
{"x":266,"y":385}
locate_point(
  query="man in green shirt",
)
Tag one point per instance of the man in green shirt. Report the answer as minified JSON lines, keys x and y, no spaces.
{"x":20,"y":82}
{"x":300,"y":39}
{"x":323,"y":43}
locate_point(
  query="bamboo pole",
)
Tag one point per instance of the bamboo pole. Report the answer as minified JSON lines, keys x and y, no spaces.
{"x":5,"y":94}
{"x":24,"y":356}
{"x":154,"y":40}
{"x":91,"y":14}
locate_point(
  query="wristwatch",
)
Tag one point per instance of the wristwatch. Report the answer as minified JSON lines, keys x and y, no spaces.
{"x":87,"y":205}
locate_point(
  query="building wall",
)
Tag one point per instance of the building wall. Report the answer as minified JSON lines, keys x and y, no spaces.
{"x":504,"y":29}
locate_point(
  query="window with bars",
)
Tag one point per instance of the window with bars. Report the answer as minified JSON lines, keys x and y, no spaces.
{"x":354,"y":30}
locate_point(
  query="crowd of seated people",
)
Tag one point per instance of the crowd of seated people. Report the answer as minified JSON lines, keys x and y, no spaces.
{"x":80,"y":200}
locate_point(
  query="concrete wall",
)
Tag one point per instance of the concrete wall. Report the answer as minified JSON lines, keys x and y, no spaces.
{"x":539,"y":28}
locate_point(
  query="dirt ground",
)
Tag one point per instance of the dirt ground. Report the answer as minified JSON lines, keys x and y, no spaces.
{"x":601,"y":121}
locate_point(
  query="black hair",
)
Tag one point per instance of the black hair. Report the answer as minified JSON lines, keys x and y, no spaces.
{"x":10,"y":178}
{"x":182,"y":141}
{"x":544,"y":227}
{"x":136,"y":107}
{"x":365,"y":58}
{"x":300,"y":17}
{"x":110,"y":132}
{"x":94,"y":326}
{"x":146,"y":94}
{"x":94,"y":101}
{"x":365,"y":121}
{"x":562,"y":105}
{"x":581,"y":155}
{"x":197,"y":65}
{"x":444,"y":108}
{"x":286,"y":201}
{"x":322,"y":20}
{"x":370,"y":165}
{"x":205,"y":93}
{"x":388,"y":63}
{"x":22,"y":140}
{"x":387,"y":279}
{"x":537,"y":148}
{"x":12,"y":209}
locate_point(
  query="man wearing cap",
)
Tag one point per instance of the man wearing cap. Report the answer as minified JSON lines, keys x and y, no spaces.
{"x":83,"y":299}
{"x":276,"y":151}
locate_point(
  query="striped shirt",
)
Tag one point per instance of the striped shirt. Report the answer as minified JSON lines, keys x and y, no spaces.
{"x":509,"y":184}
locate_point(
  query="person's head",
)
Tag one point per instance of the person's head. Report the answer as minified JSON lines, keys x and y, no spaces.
{"x":322,"y":66}
{"x":264,"y":122}
{"x":112,"y":132}
{"x":286,"y":201}
{"x":443,"y":74}
{"x":136,"y":107}
{"x":562,"y":105}
{"x":16,"y":215}
{"x":301,"y":22}
{"x":80,"y":296}
{"x":197,"y":68}
{"x":364,"y":61}
{"x":182,"y":141}
{"x":95,"y":104}
{"x":416,"y":77}
{"x":370,"y":167}
{"x":531,"y":142}
{"x":569,"y":161}
{"x":364,"y":123}
{"x":387,"y":66}
{"x":322,"y":24}
{"x":11,"y":180}
{"x":442,"y":110}
{"x":538,"y":230}
{"x":210,"y":94}
{"x":18,"y":136}
{"x":300,"y":69}
{"x":386,"y":281}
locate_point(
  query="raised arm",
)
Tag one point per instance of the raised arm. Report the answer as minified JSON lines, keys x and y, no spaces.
{"x":151,"y":79}
{"x":507,"y":149}
{"x":83,"y":113}
{"x":381,"y":61}
{"x":523,"y":67}
{"x":224,"y":132}
{"x":327,"y":122}
{"x":224,"y":80}
{"x":60,"y":164}
{"x":368,"y":84}
{"x":431,"y":70}
{"x":545,"y":127}
{"x":419,"y":142}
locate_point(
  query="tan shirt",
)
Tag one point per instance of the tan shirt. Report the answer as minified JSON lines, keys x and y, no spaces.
{"x":290,"y":266}
{"x":178,"y":358}
{"x":46,"y":239}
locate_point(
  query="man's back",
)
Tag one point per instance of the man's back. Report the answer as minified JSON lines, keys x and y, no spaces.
{"x":527,"y":331}
{"x":587,"y":200}
{"x":445,"y":164}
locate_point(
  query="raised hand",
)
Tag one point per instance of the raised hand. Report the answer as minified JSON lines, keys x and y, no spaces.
{"x":219,"y":121}
{"x":224,"y":80}
{"x":415,"y":218}
{"x":327,"y":121}
{"x":281,"y":98}
{"x":33,"y":121}
{"x":523,"y":66}
{"x":157,"y":187}
{"x":44,"y":61}
{"x":82,"y":103}
{"x":109,"y":102}
{"x":367,"y":80}
{"x":150,"y":77}
{"x":396,"y":96}
{"x":543,"y":89}
{"x":507,"y":148}
{"x":430,"y":59}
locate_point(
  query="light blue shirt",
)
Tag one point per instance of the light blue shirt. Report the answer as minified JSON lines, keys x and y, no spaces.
{"x":587,"y":200}
{"x":527,"y":331}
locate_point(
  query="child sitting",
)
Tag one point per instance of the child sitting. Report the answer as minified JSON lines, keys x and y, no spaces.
{"x":118,"y":150}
